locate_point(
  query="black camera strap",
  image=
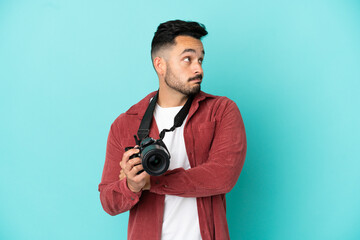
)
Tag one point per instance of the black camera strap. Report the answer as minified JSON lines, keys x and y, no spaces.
{"x":145,"y":124}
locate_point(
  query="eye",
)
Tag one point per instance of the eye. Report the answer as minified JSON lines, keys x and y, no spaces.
{"x":200,"y":61}
{"x":187,"y":59}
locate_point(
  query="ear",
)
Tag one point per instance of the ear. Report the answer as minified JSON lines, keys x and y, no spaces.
{"x":160,"y":65}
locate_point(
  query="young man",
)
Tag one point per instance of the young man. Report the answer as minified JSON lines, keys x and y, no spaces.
{"x":207,"y":151}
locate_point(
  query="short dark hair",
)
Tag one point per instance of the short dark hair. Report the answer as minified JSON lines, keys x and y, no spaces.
{"x":168,"y":31}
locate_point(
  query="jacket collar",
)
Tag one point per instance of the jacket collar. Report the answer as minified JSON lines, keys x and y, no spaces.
{"x":140,"y":108}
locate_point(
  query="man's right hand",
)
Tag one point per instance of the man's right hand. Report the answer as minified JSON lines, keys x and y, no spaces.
{"x":130,"y":168}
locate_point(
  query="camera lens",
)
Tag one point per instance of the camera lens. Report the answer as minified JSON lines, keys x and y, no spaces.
{"x":155,"y":159}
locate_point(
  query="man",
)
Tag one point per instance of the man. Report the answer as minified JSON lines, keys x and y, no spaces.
{"x":207,"y":150}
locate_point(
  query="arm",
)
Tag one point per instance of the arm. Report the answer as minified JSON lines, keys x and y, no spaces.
{"x":222,"y":169}
{"x":115,"y":195}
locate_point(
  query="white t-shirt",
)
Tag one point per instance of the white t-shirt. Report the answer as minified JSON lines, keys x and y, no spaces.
{"x":181,"y":219}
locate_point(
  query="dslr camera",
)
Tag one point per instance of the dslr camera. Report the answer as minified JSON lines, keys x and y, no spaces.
{"x":154,"y":155}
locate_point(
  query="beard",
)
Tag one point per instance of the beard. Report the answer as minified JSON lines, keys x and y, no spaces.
{"x":173,"y":82}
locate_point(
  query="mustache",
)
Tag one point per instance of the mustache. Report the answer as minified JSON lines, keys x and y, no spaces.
{"x":199,"y":76}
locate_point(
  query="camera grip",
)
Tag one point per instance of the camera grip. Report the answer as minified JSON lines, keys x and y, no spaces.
{"x":134,"y":156}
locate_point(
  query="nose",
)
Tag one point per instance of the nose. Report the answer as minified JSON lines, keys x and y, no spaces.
{"x":197,"y":68}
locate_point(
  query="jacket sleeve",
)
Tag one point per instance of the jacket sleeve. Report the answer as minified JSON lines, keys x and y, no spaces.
{"x":115,"y":196}
{"x":219,"y":174}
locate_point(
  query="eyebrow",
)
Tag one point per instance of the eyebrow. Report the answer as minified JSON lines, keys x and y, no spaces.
{"x":191,"y":50}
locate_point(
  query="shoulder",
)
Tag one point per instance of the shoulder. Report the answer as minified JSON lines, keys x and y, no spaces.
{"x":212,"y":108}
{"x":217,"y":103}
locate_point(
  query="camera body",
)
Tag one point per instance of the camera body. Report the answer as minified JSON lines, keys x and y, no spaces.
{"x":154,"y":155}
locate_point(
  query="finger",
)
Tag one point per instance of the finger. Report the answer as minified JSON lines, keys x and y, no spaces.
{"x":134,"y":161}
{"x":142,"y":175}
{"x":121,"y":164}
{"x":134,"y":171}
{"x":130,"y":152}
{"x":128,"y":166}
{"x":137,"y":168}
{"x":127,"y":155}
{"x":122,"y":176}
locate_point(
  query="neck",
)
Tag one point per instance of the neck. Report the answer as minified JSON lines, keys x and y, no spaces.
{"x":171,"y":98}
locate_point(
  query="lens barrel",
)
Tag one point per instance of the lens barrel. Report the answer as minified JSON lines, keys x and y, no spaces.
{"x":155,"y":159}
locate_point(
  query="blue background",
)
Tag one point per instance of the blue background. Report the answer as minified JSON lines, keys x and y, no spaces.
{"x":69,"y":68}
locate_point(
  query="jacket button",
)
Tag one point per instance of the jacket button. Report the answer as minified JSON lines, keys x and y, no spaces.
{"x":165,"y":186}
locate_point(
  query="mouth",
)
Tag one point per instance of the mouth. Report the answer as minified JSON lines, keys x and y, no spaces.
{"x":196,"y":79}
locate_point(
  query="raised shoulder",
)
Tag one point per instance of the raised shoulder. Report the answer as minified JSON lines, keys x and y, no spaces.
{"x":219,"y":105}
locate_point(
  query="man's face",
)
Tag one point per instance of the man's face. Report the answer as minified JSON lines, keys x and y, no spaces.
{"x":184,"y":71}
